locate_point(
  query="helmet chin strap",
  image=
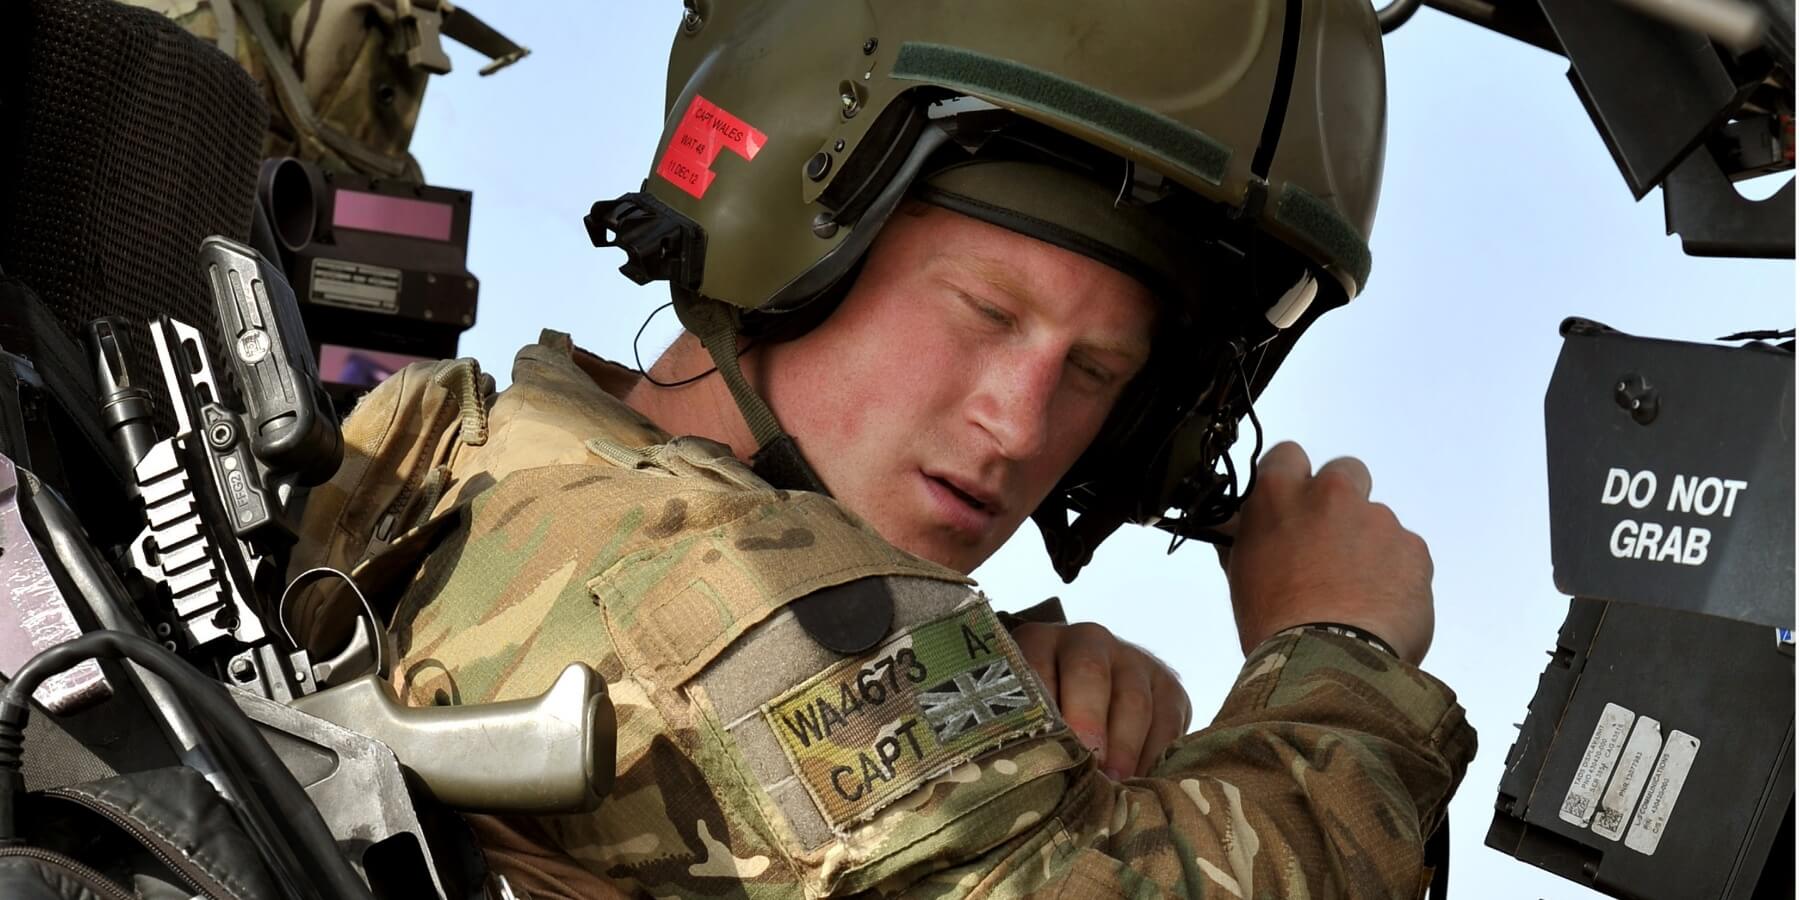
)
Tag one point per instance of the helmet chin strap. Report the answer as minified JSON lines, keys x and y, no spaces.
{"x":777,"y":459}
{"x":848,"y":619}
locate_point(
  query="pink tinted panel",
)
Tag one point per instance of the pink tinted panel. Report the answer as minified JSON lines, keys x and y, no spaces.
{"x":354,"y":365}
{"x":392,"y":215}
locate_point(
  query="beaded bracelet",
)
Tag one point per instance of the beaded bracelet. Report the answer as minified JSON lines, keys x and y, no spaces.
{"x":1344,"y":630}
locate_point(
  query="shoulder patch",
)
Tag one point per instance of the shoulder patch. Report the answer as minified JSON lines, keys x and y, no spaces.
{"x":873,"y":728}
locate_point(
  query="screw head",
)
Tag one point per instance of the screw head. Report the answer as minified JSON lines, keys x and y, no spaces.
{"x":242,"y":670}
{"x":1634,"y":394}
{"x":838,"y":147}
{"x":869,"y":46}
{"x":253,"y":346}
{"x":690,"y":21}
{"x":823,"y":226}
{"x":221,"y":434}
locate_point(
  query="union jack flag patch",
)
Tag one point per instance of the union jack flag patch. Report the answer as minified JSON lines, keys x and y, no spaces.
{"x":874,"y":727}
{"x":972,"y":699}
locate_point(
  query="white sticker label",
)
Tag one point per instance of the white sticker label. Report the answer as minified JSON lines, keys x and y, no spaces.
{"x":355,"y":285}
{"x":1596,"y":764}
{"x":1659,"y":796}
{"x":1628,"y":778}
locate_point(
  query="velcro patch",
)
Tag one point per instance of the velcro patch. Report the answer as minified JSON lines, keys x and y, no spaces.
{"x":873,"y":727}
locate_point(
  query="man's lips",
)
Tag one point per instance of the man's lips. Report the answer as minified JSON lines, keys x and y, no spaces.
{"x":968,"y":506}
{"x":982,"y":498}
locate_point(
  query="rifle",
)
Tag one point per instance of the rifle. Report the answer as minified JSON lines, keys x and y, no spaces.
{"x":196,"y":598}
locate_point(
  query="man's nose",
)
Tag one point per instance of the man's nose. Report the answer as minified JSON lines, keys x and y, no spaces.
{"x":1012,"y":402}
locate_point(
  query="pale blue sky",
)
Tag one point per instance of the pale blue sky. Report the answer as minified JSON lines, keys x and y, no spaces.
{"x":1502,"y":213}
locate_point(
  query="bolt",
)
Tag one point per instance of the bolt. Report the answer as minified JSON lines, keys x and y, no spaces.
{"x":823,"y":227}
{"x":869,"y":46}
{"x":242,"y":670}
{"x":1635,"y":395}
{"x":690,"y":20}
{"x":819,"y":166}
{"x":221,"y":435}
{"x":838,"y":147}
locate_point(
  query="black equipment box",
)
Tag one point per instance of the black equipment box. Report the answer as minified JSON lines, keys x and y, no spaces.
{"x":380,"y":267}
{"x":1656,"y":759}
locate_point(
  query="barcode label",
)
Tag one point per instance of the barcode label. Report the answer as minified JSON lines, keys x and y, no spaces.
{"x":1659,"y":795}
{"x":1596,"y":765}
{"x":1628,"y":779}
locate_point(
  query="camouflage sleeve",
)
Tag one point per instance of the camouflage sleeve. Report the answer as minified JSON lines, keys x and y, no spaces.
{"x":1320,"y":777}
{"x":753,"y":762}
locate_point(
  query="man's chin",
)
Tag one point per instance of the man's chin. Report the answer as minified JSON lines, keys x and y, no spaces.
{"x":947,"y":551}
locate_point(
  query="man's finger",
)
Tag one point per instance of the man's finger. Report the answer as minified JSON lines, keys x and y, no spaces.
{"x":1285,"y":465}
{"x":1037,"y":643}
{"x":1351,"y":470}
{"x":1084,"y":676}
{"x":1129,"y":720}
{"x":1168,"y":723}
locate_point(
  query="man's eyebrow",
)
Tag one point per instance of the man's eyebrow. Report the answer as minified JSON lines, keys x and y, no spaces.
{"x":999,"y":277}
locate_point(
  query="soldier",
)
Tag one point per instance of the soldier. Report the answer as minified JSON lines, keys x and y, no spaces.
{"x":942,"y":266}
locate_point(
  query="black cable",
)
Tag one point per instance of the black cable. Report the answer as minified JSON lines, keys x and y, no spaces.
{"x":1437,"y":855}
{"x":300,"y":822}
{"x":639,"y":359}
{"x":1396,"y":13}
{"x":1255,"y":425}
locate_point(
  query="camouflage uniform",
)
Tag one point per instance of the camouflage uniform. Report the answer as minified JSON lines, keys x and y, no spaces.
{"x":341,"y":53}
{"x":552,"y":523}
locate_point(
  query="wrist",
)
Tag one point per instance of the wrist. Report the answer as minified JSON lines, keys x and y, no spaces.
{"x":1361,"y":635}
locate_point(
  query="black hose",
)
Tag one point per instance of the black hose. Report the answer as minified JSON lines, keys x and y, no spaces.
{"x":320,"y":864}
{"x":1396,"y":13}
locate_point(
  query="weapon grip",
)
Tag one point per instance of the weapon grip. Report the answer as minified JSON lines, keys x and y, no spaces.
{"x":289,"y":417}
{"x":548,"y":754}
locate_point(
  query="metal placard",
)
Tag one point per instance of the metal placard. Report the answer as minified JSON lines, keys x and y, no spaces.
{"x":1671,"y":469}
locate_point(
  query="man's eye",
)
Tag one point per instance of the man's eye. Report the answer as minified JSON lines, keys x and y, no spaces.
{"x":988,"y":311}
{"x":1099,"y":375}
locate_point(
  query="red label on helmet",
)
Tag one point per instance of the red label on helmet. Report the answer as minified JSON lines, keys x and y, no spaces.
{"x":704,"y":130}
{"x":686,"y":174}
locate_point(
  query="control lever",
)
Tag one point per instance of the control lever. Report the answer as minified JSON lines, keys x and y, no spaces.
{"x":549,"y":754}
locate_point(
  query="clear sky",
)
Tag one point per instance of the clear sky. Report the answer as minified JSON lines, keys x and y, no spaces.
{"x":1502,"y":213}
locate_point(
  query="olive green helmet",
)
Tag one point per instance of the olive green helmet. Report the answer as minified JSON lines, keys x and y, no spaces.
{"x":1227,"y":153}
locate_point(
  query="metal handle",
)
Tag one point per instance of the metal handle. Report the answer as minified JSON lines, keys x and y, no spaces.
{"x":548,"y":754}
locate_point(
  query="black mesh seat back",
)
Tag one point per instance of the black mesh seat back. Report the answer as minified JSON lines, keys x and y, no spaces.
{"x":124,"y":141}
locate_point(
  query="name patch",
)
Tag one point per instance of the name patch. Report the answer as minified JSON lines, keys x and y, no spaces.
{"x":872,"y":728}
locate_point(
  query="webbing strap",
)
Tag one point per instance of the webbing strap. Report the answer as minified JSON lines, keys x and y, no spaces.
{"x":299,"y":110}
{"x":711,"y":322}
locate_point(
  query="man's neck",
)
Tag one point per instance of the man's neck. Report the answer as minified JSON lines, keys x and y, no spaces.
{"x":702,"y":408}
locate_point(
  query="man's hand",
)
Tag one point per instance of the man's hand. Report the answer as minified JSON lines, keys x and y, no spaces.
{"x":1313,"y":548}
{"x":1119,"y":700}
